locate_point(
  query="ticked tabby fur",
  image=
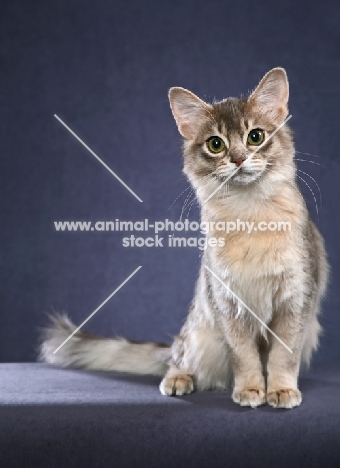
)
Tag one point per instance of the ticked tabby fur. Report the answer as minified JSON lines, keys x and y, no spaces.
{"x":280,"y":275}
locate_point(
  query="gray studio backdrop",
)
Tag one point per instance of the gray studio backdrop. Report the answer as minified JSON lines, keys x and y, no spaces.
{"x":105,"y":69}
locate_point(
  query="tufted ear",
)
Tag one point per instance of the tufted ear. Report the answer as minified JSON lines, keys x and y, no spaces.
{"x":189,"y":111}
{"x":271,"y":95}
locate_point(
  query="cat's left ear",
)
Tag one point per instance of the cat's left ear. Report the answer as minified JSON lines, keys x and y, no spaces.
{"x":270,"y":98}
{"x":190,"y":111}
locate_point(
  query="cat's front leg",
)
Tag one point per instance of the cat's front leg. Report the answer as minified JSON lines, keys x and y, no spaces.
{"x":249,"y":382}
{"x":283,"y":365}
{"x":176,"y":382}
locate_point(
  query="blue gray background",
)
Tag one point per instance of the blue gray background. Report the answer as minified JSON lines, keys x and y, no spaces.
{"x":105,"y":69}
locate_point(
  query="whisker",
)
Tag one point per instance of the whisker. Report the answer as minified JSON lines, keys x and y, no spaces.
{"x":190,"y":206}
{"x":186,"y":201}
{"x":316,"y":205}
{"x":308,"y":154}
{"x":189,"y":187}
{"x":315,"y":184}
{"x":210,"y":178}
{"x":178,"y":197}
{"x":226,"y":189}
{"x":291,"y":183}
{"x":311,"y":162}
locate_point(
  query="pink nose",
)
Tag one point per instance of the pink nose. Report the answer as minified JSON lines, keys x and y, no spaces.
{"x":238,"y":161}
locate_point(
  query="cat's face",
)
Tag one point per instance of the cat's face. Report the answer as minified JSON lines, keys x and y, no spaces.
{"x":232,"y":139}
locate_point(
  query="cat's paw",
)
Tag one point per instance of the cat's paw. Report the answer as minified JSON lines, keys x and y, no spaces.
{"x":177,"y":385}
{"x":284,"y":398}
{"x":249,"y":397}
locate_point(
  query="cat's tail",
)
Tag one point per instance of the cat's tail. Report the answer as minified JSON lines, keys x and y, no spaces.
{"x":88,"y":351}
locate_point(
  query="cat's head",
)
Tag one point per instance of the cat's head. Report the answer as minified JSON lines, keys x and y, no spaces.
{"x":219,"y":138}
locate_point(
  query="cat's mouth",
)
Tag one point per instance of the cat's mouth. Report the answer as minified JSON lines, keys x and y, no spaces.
{"x":243,"y":175}
{"x":241,"y":171}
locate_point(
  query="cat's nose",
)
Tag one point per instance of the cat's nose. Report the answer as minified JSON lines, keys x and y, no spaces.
{"x":238,"y":160}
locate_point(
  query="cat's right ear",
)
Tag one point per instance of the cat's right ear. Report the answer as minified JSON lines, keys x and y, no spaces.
{"x":189,"y":111}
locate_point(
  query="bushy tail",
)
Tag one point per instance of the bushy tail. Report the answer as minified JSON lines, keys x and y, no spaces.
{"x":88,"y":351}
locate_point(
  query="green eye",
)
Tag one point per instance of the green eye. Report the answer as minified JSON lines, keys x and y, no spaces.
{"x":216,"y":144}
{"x":255,"y":137}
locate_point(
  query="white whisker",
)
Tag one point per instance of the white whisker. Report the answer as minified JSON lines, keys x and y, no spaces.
{"x":186,"y":201}
{"x":291,"y":183}
{"x":190,"y":206}
{"x":189,"y":187}
{"x":316,"y":205}
{"x":178,"y":197}
{"x":314,"y":182}
{"x":307,"y":154}
{"x":311,"y":162}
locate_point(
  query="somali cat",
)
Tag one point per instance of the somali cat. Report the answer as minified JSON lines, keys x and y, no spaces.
{"x":235,"y":150}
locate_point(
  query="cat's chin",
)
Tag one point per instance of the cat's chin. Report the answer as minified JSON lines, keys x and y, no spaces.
{"x":245,"y":178}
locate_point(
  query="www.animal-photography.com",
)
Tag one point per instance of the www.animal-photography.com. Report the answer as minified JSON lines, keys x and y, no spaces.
{"x":170,"y":234}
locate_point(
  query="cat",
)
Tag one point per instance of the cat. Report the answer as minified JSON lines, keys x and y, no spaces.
{"x":239,"y":158}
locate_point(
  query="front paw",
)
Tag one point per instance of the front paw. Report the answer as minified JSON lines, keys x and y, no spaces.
{"x":284,"y":398}
{"x":249,"y":396}
{"x":177,"y":385}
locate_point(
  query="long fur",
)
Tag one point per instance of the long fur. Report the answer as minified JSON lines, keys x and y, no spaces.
{"x":280,"y":275}
{"x":87,"y":351}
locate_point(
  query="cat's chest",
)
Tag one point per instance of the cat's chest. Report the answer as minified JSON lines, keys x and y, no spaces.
{"x":254,"y":254}
{"x":254,"y":268}
{"x":254,"y":238}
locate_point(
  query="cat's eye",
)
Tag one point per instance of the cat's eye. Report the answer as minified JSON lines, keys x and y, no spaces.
{"x":216,"y":144}
{"x":255,"y":137}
